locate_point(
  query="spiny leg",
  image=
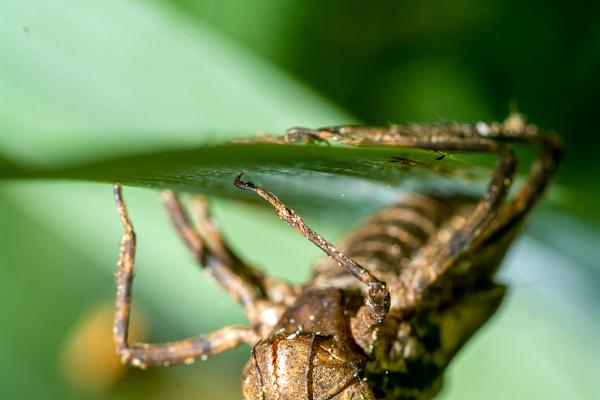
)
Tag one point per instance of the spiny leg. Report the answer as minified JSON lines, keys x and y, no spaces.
{"x":143,"y":354}
{"x":377,"y":297}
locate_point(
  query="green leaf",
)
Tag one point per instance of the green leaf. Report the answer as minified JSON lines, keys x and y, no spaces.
{"x":311,"y":176}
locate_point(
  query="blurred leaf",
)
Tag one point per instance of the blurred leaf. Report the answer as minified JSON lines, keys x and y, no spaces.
{"x":90,"y":80}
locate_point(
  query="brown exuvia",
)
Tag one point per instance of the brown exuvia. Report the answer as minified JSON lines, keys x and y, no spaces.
{"x":385,"y":312}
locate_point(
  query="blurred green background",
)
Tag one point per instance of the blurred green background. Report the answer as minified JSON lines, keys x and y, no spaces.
{"x":87,"y":80}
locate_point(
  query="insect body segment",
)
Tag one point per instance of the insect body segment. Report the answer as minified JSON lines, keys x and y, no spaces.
{"x":310,"y":355}
{"x":386,"y":311}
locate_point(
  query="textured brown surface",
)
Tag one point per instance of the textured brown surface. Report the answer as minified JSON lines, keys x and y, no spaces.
{"x":387,"y":310}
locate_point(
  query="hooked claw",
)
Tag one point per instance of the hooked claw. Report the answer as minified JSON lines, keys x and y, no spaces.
{"x":244,"y":185}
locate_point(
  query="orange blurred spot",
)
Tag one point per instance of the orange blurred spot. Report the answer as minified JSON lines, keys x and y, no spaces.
{"x":88,"y":359}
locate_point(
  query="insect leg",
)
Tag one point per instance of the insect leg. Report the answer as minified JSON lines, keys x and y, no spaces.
{"x":143,"y":354}
{"x":207,"y":227}
{"x":541,"y":171}
{"x":434,"y":261}
{"x":377,"y":298}
{"x":511,"y":213}
{"x":243,"y":282}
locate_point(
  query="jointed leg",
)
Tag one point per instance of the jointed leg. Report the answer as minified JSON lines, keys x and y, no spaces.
{"x":186,"y":351}
{"x":142,"y":354}
{"x":203,"y":237}
{"x":542,"y":170}
{"x":438,"y":258}
{"x":244,"y":283}
{"x":377,"y":299}
{"x":207,"y":227}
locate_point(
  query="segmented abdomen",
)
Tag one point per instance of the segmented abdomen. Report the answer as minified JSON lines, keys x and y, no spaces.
{"x":388,"y":240}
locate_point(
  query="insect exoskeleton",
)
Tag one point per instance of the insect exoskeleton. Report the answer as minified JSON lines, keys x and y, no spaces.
{"x":286,"y":366}
{"x":309,"y":355}
{"x":385,"y":313}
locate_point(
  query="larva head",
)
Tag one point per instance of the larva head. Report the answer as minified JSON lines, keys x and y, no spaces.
{"x":302,"y":366}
